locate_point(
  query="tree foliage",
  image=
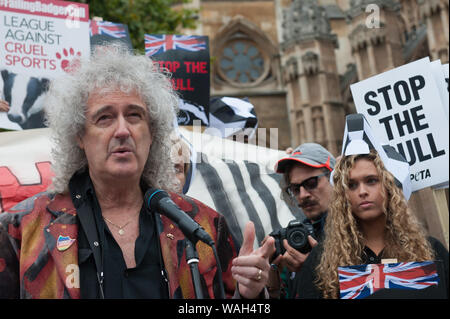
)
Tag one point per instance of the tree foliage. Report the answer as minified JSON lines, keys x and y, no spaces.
{"x":144,"y":16}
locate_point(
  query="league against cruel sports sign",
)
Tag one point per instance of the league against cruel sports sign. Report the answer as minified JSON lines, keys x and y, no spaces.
{"x":42,"y":38}
{"x":404,"y":108}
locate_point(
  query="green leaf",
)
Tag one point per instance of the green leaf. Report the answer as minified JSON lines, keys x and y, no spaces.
{"x":144,"y":16}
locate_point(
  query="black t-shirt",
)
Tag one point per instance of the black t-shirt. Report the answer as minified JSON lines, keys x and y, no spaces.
{"x":318,"y":226}
{"x":305,"y":287}
{"x":145,"y":281}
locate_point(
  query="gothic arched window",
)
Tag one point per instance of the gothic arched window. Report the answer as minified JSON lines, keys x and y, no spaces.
{"x":244,"y":56}
{"x":242,"y":62}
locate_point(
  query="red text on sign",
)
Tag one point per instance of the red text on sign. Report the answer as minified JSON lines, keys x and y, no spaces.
{"x":196,"y":67}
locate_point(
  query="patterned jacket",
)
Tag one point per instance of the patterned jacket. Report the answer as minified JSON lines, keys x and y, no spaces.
{"x":32,"y":266}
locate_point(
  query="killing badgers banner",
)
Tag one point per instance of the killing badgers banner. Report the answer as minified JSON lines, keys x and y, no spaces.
{"x":187,"y":59}
{"x":235,"y":179}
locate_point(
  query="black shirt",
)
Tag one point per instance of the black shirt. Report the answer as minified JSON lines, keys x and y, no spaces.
{"x":289,"y":287}
{"x":305,"y":279}
{"x":318,"y":226}
{"x":146,"y":280}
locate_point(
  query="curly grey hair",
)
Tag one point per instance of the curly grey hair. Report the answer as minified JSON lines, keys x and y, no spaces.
{"x":110,"y":68}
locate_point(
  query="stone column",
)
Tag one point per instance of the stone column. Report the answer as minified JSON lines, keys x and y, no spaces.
{"x":435,"y":13}
{"x":316,"y":108}
{"x":368,"y":40}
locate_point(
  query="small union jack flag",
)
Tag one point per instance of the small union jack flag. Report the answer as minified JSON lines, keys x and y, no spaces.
{"x":111,"y":29}
{"x":159,"y":43}
{"x":360,"y":281}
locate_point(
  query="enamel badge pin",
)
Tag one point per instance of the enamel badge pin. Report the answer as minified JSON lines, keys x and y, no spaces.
{"x":64,"y":242}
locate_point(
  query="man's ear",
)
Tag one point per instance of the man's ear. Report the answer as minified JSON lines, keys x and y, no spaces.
{"x":79,"y":142}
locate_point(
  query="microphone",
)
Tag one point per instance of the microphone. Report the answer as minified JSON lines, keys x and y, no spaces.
{"x":158,"y":200}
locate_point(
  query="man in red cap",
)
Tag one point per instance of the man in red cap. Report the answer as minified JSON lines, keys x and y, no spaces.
{"x":306,"y":183}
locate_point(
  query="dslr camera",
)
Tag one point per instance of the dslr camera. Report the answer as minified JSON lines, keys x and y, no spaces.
{"x":296,"y":233}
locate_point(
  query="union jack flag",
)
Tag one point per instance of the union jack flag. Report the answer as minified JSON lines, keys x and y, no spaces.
{"x":159,"y":43}
{"x":111,"y":29}
{"x":360,"y":281}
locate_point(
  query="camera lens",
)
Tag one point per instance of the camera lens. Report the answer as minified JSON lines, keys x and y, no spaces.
{"x":297,"y":239}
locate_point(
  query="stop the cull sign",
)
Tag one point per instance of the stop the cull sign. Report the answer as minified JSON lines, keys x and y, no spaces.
{"x":42,"y":38}
{"x":439,"y":76}
{"x":404,"y":109}
{"x":445,"y":70}
{"x":187,"y":59}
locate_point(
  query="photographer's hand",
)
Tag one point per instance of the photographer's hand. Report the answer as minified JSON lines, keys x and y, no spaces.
{"x":292,"y":258}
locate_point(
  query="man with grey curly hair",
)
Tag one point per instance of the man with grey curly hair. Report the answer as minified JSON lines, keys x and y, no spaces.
{"x":91,"y":235}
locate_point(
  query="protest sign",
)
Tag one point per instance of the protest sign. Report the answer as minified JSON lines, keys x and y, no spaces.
{"x":445,"y":70}
{"x":415,"y":280}
{"x":439,"y":76}
{"x":39,"y":41}
{"x":102,"y":32}
{"x":41,"y":38}
{"x":404,"y":108}
{"x":442,"y":84}
{"x":187,"y":59}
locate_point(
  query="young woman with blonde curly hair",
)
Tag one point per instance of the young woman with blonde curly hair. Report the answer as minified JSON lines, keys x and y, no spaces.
{"x":368,"y":221}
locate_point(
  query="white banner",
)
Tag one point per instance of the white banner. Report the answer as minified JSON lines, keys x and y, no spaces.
{"x":234,"y":178}
{"x":403,"y":106}
{"x":25,"y":168}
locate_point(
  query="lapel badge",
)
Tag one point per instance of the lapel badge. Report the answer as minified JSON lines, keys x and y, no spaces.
{"x":64,"y":242}
{"x":170,"y":236}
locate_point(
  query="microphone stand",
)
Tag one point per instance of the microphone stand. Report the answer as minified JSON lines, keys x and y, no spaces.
{"x":193,"y":233}
{"x":192,"y":260}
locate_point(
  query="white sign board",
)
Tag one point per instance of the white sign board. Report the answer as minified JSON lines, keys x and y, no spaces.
{"x":445,"y":70}
{"x":39,"y":41}
{"x":439,"y":76}
{"x":403,"y":106}
{"x":41,"y":38}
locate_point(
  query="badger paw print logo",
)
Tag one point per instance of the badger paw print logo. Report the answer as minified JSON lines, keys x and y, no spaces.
{"x":69,"y":59}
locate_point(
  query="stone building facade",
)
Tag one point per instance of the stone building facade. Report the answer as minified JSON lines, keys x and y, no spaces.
{"x":296,"y":59}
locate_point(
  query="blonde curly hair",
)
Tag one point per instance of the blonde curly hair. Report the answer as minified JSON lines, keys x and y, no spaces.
{"x":344,"y":242}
